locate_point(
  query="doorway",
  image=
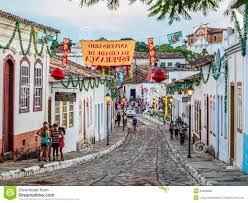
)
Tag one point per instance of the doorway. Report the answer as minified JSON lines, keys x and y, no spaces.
{"x":8,"y":104}
{"x":232,"y":125}
{"x":207,"y":120}
{"x":84,"y":115}
{"x":133,"y":94}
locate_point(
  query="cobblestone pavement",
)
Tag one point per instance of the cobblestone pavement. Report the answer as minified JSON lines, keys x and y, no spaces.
{"x":144,"y":159}
{"x":118,"y":134}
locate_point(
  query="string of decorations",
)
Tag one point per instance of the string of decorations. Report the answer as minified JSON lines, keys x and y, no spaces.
{"x":32,"y":36}
{"x":81,"y":84}
{"x":242,"y":36}
{"x":214,"y":70}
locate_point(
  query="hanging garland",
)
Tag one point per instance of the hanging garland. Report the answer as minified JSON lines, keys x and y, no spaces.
{"x":208,"y":74}
{"x":242,"y":36}
{"x":91,"y":83}
{"x":31,"y":38}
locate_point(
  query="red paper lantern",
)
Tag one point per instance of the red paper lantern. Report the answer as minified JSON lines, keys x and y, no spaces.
{"x":58,"y":74}
{"x":159,"y":76}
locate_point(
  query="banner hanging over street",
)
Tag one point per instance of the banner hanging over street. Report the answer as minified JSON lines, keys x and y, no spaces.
{"x":108,"y":53}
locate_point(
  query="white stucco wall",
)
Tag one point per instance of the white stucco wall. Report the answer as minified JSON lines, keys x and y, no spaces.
{"x":236,"y":72}
{"x":73,"y":134}
{"x":23,"y":122}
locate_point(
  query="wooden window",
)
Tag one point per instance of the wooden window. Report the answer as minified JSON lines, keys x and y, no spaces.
{"x":88,"y":113}
{"x":215,"y":38}
{"x":191,"y":40}
{"x":71,"y":114}
{"x":57,"y":112}
{"x":169,"y":63}
{"x":91,"y":110}
{"x":38,"y":86}
{"x":64,"y":114}
{"x":102,"y":114}
{"x":239,"y":108}
{"x":80,"y":116}
{"x":24,"y":85}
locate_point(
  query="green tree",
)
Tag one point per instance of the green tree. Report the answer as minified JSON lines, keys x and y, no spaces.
{"x":173,"y":9}
{"x":141,"y":47}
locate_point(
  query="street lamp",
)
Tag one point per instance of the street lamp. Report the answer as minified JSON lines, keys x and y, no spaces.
{"x":108,"y":98}
{"x":190,"y":92}
{"x":123,"y":101}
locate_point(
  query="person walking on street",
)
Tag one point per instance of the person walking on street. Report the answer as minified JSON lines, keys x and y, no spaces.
{"x":181,"y":132}
{"x":171,"y":129}
{"x":134,"y":122}
{"x":176,"y":129}
{"x":55,"y":141}
{"x":118,"y":118}
{"x":44,"y":134}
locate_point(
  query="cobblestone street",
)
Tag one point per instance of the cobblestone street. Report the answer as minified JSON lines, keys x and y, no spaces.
{"x":144,"y":159}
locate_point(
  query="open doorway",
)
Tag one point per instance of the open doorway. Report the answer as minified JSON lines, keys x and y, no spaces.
{"x":8,"y":104}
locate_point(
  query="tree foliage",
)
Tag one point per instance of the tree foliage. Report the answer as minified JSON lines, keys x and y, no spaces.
{"x":173,"y":9}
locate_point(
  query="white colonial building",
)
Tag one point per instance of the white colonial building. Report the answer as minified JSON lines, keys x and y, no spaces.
{"x":82,"y":112}
{"x":23,"y":82}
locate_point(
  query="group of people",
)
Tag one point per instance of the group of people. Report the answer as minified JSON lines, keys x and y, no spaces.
{"x":52,"y":140}
{"x":178,"y":128}
{"x":118,"y":119}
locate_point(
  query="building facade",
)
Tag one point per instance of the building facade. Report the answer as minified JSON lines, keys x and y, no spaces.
{"x":82,"y":113}
{"x":23,"y":83}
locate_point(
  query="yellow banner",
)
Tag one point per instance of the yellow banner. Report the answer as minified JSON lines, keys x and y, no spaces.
{"x":108,"y":53}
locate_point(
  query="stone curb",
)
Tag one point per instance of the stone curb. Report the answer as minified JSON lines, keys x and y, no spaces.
{"x":18,"y":173}
{"x":192,"y":171}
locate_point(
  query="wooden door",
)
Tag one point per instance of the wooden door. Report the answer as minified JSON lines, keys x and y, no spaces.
{"x":8,"y":106}
{"x":84,"y":115}
{"x":50,"y":111}
{"x":232,"y":125}
{"x":207,"y":120}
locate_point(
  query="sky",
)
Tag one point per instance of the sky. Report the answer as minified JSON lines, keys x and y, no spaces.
{"x":94,"y":22}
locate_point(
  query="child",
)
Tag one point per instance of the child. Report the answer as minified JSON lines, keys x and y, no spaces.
{"x":171,"y":129}
{"x":61,"y":142}
{"x":55,"y":141}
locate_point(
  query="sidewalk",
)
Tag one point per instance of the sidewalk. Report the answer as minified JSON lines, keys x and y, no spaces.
{"x":11,"y":169}
{"x":206,"y":169}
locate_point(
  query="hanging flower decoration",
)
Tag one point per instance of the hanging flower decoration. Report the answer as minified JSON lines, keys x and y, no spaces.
{"x":159,"y":76}
{"x":58,"y":74}
{"x":180,"y":92}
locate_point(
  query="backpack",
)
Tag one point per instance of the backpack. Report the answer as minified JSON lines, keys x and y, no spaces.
{"x":135,"y":121}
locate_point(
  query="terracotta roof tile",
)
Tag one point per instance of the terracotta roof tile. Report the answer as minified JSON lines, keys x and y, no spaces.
{"x":202,"y":61}
{"x":10,"y":16}
{"x":72,"y":68}
{"x":159,"y":55}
